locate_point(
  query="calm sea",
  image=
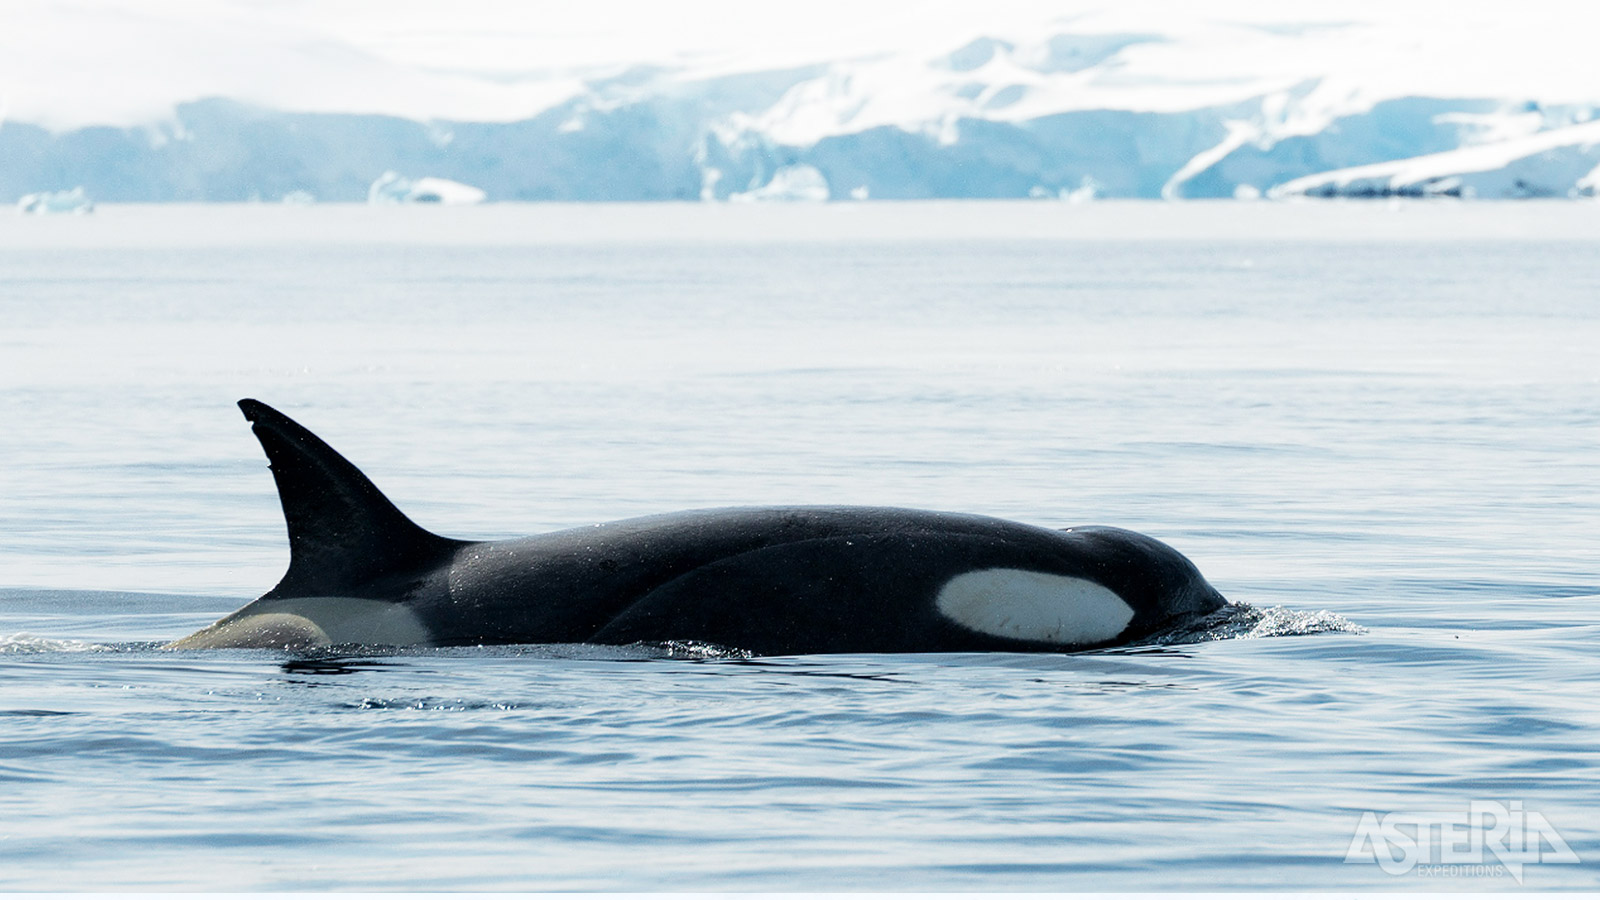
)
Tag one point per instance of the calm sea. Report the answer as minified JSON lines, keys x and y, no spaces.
{"x":1375,"y":426}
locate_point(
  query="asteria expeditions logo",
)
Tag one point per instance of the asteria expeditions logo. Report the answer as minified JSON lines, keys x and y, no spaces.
{"x":1493,"y":840}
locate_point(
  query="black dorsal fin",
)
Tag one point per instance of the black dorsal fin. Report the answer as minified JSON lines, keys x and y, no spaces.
{"x":343,"y":532}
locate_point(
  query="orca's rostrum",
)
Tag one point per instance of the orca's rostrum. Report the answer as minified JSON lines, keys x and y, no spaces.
{"x":783,"y":580}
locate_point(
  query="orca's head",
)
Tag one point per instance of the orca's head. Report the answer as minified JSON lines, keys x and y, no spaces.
{"x":1109,"y":586}
{"x":1160,"y":584}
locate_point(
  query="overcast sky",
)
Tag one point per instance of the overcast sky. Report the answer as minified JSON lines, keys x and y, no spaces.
{"x":71,"y":62}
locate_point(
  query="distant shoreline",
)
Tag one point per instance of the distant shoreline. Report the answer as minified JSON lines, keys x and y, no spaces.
{"x":874,"y":222}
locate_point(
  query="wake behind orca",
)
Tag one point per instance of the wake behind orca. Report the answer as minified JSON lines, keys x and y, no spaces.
{"x":772,"y":581}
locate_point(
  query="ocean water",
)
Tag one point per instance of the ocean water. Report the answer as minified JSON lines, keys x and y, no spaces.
{"x":1375,"y":427}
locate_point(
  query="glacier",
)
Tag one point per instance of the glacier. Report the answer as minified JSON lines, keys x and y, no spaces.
{"x":1561,"y":162}
{"x":1059,"y":113}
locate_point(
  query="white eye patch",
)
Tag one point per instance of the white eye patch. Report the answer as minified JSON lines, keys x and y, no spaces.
{"x":1034,"y":606}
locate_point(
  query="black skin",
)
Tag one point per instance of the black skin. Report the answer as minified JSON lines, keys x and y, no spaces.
{"x":773,"y":581}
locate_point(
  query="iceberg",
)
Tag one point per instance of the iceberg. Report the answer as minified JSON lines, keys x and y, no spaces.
{"x":74,"y":201}
{"x":393,"y":188}
{"x":446,"y":192}
{"x":800,"y":183}
{"x":390,"y":187}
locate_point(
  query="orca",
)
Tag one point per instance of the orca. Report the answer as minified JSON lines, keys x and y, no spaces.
{"x":768,"y":581}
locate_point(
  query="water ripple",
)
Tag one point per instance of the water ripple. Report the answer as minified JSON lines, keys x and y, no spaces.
{"x":1240,"y":621}
{"x":23,"y":642}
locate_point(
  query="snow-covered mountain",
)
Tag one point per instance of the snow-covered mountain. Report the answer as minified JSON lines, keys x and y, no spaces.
{"x":1096,"y":104}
